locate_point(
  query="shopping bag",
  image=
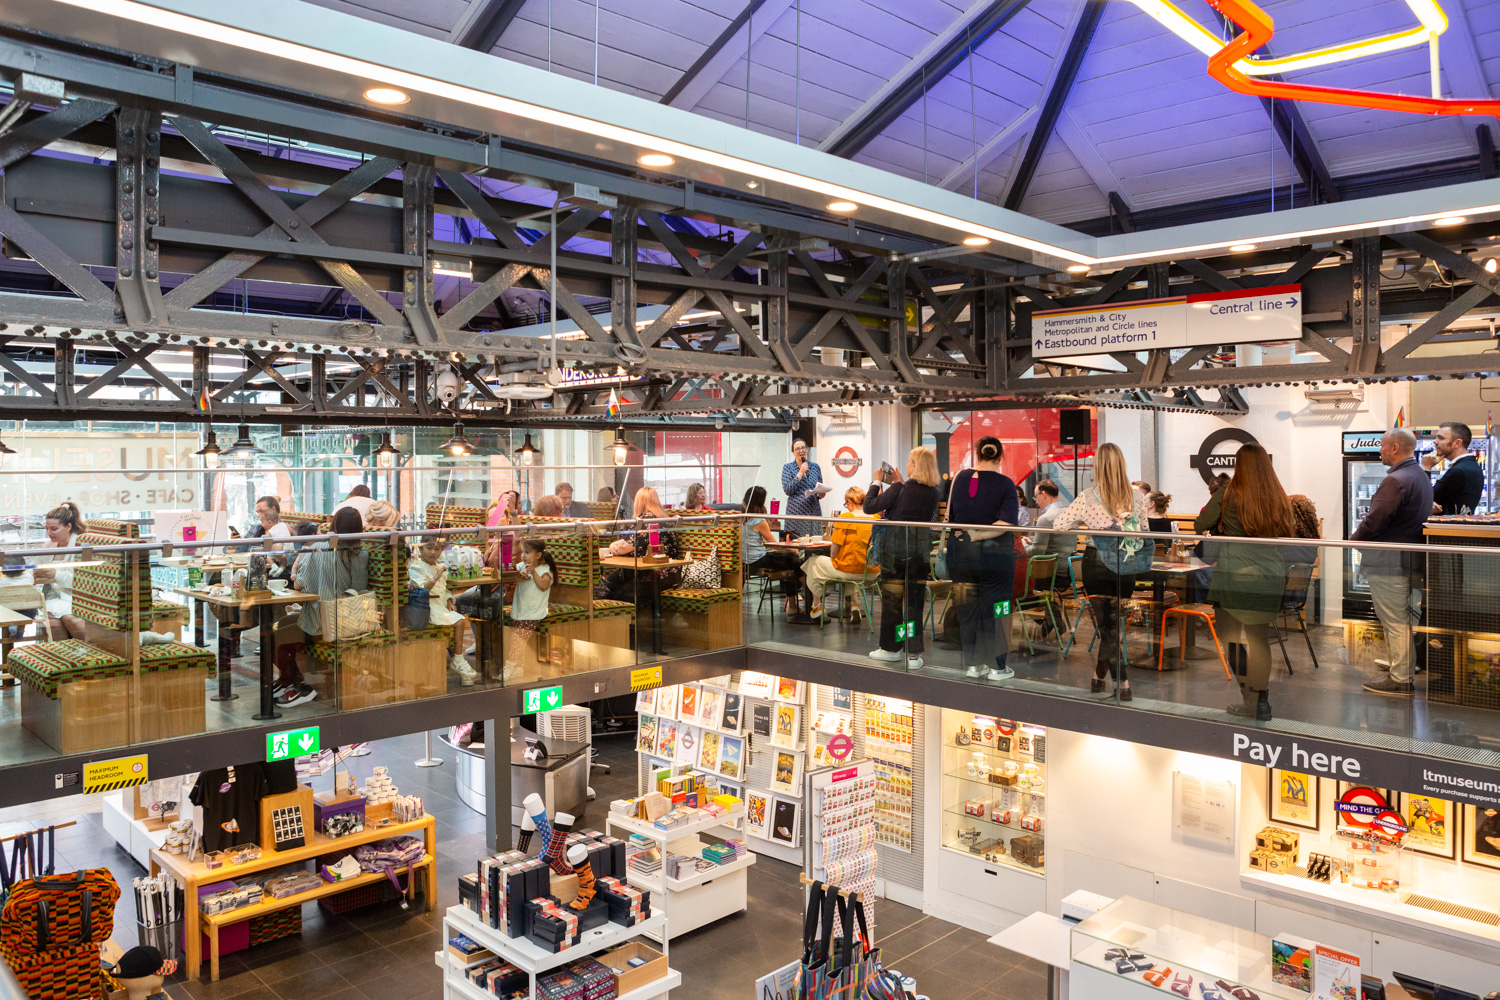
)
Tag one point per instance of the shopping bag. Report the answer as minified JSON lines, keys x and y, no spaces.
{"x":349,"y":615}
{"x":814,"y":975}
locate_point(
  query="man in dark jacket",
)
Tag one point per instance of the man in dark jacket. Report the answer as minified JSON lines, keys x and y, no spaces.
{"x":1458,"y":491}
{"x":1397,"y":512}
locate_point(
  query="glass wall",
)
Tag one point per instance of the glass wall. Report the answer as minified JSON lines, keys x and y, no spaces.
{"x":1030,"y":437}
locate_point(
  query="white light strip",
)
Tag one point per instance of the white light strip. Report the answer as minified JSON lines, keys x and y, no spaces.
{"x":160,"y":19}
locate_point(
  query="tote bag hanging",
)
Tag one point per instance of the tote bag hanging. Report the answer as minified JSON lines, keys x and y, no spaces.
{"x":350,"y":615}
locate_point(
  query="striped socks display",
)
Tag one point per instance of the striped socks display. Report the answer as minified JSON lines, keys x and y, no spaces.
{"x":578,"y":857}
{"x":562,"y":824}
{"x":528,"y":827}
{"x":534,"y":807}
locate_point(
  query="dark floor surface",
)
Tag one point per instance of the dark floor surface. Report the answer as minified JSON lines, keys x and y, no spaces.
{"x":381,"y":953}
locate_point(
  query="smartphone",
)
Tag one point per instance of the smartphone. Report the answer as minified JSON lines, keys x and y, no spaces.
{"x":886,"y":469}
{"x":775,"y":506}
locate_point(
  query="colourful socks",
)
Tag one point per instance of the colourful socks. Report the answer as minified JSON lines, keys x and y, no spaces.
{"x":562,"y":824}
{"x":528,"y":827}
{"x":534,"y":807}
{"x":578,"y":857}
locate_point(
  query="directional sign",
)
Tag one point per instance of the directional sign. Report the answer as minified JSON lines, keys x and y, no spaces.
{"x":1002,"y":608}
{"x":292,"y":743}
{"x":541,"y":699}
{"x":1242,"y":316}
{"x":905,"y":631}
{"x":840,"y":747}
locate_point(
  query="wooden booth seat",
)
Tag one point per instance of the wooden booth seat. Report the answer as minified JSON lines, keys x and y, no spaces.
{"x":293,"y":518}
{"x":79,"y":697}
{"x":376,"y":669}
{"x":709,"y":619}
{"x":441,"y":515}
{"x":610,"y":622}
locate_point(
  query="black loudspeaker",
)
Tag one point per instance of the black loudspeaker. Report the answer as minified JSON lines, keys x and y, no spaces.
{"x":1073,"y":427}
{"x":806,"y":429}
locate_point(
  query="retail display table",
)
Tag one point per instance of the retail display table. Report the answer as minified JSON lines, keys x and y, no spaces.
{"x":1048,"y":940}
{"x":534,"y":960}
{"x":700,"y":898}
{"x":192,"y":874}
{"x":266,"y":602}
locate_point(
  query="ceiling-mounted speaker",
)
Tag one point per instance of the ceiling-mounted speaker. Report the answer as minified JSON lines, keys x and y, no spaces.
{"x":806,"y":428}
{"x":1073,"y":427}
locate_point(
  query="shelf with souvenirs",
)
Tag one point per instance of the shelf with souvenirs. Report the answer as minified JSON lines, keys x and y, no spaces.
{"x":994,"y":777}
{"x":561,"y":922}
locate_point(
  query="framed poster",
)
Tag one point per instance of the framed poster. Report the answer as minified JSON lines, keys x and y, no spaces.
{"x":786,"y":771}
{"x":1431,"y":823}
{"x":1293,"y":798}
{"x":757,"y":813}
{"x":708,"y":751}
{"x":732,"y":713}
{"x":1481,"y":837}
{"x":645,"y":701}
{"x":788,"y":726}
{"x":784,"y":826}
{"x":645,"y":737}
{"x":1358,"y":806}
{"x":687,"y":703}
{"x":731,"y":753}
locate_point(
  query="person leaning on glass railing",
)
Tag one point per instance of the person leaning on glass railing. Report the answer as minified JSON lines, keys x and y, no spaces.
{"x":849,"y":557}
{"x":983,"y":561}
{"x":1248,"y":580}
{"x":1111,"y":504}
{"x":905,"y":553}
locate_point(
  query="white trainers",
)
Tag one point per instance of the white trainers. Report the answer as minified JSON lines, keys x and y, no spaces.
{"x":473,"y":648}
{"x":1001,"y":674}
{"x":460,"y":666}
{"x":973,"y":672}
{"x":510,"y":673}
{"x":913,"y":663}
{"x":890,"y":656}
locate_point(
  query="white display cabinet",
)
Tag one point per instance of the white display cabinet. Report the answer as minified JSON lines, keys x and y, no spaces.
{"x":703,"y":897}
{"x":1134,"y":949}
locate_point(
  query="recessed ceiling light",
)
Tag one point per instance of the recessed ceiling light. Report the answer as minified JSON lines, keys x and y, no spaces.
{"x":1450,"y":220}
{"x":1241,"y":247}
{"x":842,"y":206}
{"x":386,"y":95}
{"x":1078,"y":269}
{"x":656,"y":160}
{"x":976,"y":241}
{"x":752,"y":185}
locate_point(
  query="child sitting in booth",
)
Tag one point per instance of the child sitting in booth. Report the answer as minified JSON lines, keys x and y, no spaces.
{"x":428,"y":573}
{"x":532,"y":597}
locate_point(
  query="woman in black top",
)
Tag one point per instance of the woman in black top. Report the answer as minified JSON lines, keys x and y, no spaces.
{"x":1156,"y":517}
{"x":905,"y":553}
{"x":984,"y":562}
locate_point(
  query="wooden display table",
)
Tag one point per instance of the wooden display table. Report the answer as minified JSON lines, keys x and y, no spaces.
{"x":192,"y":874}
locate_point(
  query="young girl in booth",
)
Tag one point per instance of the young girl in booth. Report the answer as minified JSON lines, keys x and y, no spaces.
{"x":428,"y":573}
{"x":529,"y":605}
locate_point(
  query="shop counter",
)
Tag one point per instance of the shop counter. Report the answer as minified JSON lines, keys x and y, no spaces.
{"x":1461,"y":632}
{"x":561,"y":780}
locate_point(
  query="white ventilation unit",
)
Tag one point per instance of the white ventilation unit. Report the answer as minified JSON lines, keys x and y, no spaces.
{"x":571,"y":722}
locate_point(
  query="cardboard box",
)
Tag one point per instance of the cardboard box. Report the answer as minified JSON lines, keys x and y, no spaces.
{"x":628,"y":979}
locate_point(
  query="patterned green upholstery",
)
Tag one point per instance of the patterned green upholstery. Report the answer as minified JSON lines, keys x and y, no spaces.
{"x":700,"y":540}
{"x":557,"y":614}
{"x":577,"y":556}
{"x":102,"y":592}
{"x":380,"y":571}
{"x":696,"y":601}
{"x":167,"y":609}
{"x":601,"y":510}
{"x":612,"y":609}
{"x":440,"y":515}
{"x":115,"y":529}
{"x":292,"y":518}
{"x":162,"y":656}
{"x":45,"y":665}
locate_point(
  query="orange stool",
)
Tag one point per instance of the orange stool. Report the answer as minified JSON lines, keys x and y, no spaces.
{"x":1204,"y":611}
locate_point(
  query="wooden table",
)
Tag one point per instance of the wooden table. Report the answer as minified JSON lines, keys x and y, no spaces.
{"x":9,"y":617}
{"x":192,"y":874}
{"x":655,"y":569}
{"x":266,"y":602}
{"x":1161,"y":570}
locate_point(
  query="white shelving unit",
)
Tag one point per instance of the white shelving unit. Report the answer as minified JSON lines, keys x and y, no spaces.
{"x":534,"y":960}
{"x":701,"y":898}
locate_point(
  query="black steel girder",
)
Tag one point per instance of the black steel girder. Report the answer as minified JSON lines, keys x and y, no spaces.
{"x":487,"y":24}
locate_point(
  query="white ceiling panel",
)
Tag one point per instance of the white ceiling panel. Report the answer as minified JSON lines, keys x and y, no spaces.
{"x":1063,"y":189}
{"x":433,"y":18}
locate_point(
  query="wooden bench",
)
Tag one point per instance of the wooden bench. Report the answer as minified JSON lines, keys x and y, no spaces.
{"x":712,"y":619}
{"x":377,"y":669}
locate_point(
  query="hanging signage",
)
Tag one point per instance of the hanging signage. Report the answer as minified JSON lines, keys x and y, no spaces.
{"x":846,"y":461}
{"x":120,"y":772}
{"x":1242,"y":316}
{"x":1362,"y":442}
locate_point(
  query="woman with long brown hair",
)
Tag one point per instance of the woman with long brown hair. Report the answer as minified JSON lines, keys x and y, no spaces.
{"x":1248,"y":580}
{"x":1113,"y":503}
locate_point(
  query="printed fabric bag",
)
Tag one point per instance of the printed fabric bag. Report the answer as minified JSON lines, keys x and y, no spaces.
{"x":416,"y":613}
{"x":50,"y":930}
{"x":349,"y":615}
{"x":388,"y":856}
{"x":705,"y":573}
{"x":1125,"y":556}
{"x":815,"y":974}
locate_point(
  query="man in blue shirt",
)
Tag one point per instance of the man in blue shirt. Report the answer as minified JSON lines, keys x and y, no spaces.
{"x":1397,"y":512}
{"x":1458,"y":491}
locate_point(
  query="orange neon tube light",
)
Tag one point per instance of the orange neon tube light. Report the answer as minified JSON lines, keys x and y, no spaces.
{"x":1257,"y":28}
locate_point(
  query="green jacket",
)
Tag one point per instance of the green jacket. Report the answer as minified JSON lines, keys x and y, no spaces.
{"x":1248,"y":580}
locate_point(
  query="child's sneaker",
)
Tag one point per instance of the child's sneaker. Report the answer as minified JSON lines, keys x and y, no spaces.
{"x":460,"y":666}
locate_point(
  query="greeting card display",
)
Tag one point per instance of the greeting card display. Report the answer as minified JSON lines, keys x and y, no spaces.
{"x":710,"y":701}
{"x":785,"y":828}
{"x":731,"y":715}
{"x":688,"y":738}
{"x":788,"y":726}
{"x":645,"y":701}
{"x":731,"y":752}
{"x":708,"y":751}
{"x":788,"y":689}
{"x":666,"y":738}
{"x":645,"y":741}
{"x":754,"y":684}
{"x":786,"y":771}
{"x":687,"y":703}
{"x":666,"y":702}
{"x":757,"y":814}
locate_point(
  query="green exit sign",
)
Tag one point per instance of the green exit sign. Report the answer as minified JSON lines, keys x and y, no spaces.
{"x":541,"y":699}
{"x":905,"y":631}
{"x":293,"y":743}
{"x":1002,"y":608}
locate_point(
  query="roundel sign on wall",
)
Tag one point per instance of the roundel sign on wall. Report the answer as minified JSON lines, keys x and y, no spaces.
{"x":846,"y":462}
{"x":1214,"y":457}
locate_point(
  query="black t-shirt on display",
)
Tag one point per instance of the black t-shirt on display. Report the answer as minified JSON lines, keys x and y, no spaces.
{"x":230,"y":796}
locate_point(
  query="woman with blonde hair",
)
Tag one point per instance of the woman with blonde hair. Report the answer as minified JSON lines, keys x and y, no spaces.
{"x":1113,"y":503}
{"x":1248,"y":580}
{"x":381,"y":516}
{"x":904,"y":552}
{"x":620,"y":585}
{"x":550,"y":505}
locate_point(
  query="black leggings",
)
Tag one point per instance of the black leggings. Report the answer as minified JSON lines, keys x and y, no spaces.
{"x":1106,"y":589}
